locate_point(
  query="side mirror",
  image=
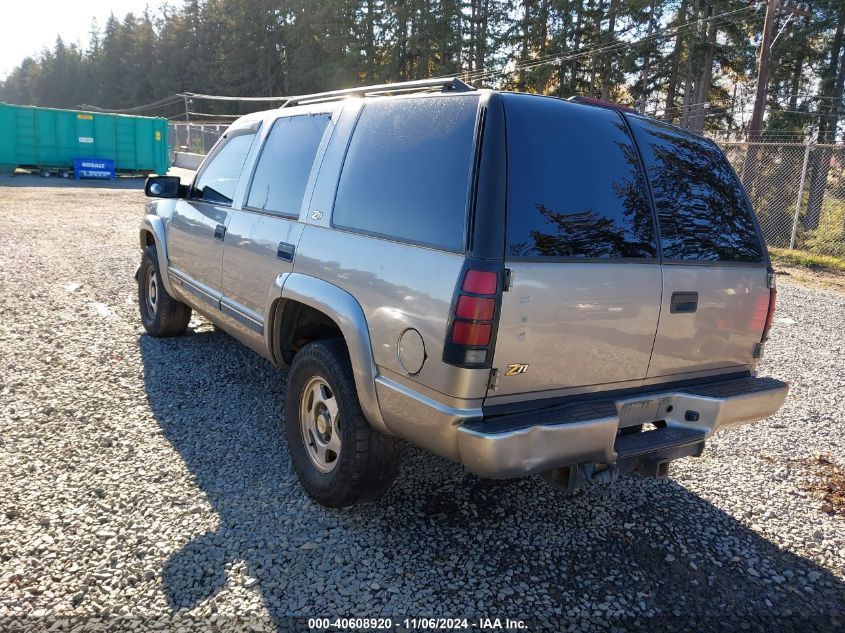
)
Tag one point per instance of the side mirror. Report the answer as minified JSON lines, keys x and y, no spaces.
{"x":164,"y":187}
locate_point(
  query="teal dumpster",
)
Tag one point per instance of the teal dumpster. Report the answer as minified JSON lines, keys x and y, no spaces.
{"x":49,"y":139}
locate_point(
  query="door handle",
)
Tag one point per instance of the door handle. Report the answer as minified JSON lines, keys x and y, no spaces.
{"x":684,"y":302}
{"x":219,"y":232}
{"x":285,"y":251}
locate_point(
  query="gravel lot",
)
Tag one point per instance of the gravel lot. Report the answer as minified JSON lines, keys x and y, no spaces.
{"x":144,"y":483}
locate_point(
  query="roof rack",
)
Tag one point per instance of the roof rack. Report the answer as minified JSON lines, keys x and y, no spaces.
{"x":448,"y":84}
{"x":601,"y":103}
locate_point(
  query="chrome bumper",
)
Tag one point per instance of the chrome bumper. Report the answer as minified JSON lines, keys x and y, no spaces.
{"x":517,"y":445}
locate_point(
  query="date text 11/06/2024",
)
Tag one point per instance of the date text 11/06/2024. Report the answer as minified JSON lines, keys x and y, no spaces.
{"x":429,"y":624}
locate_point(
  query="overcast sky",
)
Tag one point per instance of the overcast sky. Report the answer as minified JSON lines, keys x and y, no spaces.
{"x":28,"y":26}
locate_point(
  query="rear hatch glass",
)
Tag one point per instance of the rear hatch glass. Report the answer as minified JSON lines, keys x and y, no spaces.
{"x":701,"y":207}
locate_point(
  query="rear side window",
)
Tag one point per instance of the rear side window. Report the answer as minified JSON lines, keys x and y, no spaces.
{"x":406,"y":173}
{"x":285,"y":164}
{"x":576,"y":188}
{"x":702,"y":210}
{"x":219,"y":178}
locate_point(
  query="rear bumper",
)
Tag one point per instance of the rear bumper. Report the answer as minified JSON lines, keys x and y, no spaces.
{"x":517,"y":445}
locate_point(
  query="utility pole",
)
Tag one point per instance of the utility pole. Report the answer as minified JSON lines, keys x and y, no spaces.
{"x":772,"y":8}
{"x":762,"y":72}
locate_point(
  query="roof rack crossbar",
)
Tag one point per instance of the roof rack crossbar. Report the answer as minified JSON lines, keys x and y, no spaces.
{"x":448,"y":84}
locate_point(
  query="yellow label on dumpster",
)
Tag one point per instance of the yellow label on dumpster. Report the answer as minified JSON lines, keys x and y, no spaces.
{"x":158,"y":135}
{"x":86,"y":117}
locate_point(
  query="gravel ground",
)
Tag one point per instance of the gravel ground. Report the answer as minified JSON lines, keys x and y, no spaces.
{"x":144,"y":483}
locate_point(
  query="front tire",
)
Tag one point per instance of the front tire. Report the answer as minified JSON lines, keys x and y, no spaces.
{"x":339,"y":458}
{"x":161,"y":314}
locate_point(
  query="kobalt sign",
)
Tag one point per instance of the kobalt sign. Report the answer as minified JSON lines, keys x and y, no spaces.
{"x":93,"y":168}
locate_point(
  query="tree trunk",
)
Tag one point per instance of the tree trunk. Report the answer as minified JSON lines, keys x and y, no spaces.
{"x":563,"y":38}
{"x":675,"y":66}
{"x":543,"y":23}
{"x":481,"y":43}
{"x":371,"y":41}
{"x":573,"y":79}
{"x":646,"y":61}
{"x":593,"y":57}
{"x":400,"y":64}
{"x":607,"y":56}
{"x":688,"y":75}
{"x":733,"y":111}
{"x":692,"y":52}
{"x":523,"y":55}
{"x":829,"y":110}
{"x":702,"y":92}
{"x":797,"y":71}
{"x":473,"y":38}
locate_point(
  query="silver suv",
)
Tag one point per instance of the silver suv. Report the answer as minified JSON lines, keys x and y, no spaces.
{"x":518,"y":283}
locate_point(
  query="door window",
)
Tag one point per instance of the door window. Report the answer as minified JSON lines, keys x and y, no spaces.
{"x":406,"y":174}
{"x":701,"y":208}
{"x":576,"y":188}
{"x":217,"y":181}
{"x":284,"y":166}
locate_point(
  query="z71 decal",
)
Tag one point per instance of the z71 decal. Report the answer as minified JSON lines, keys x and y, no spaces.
{"x":516,"y":368}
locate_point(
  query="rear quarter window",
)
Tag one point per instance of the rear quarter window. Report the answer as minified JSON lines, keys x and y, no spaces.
{"x":701,"y":207}
{"x":406,"y":173}
{"x":576,"y":188}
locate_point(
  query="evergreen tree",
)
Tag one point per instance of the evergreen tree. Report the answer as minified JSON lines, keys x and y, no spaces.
{"x":690,"y":61}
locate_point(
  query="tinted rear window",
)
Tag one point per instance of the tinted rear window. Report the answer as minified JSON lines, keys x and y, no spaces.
{"x":575,"y":184}
{"x":285,"y":164}
{"x":701,"y":208}
{"x":407,"y":169}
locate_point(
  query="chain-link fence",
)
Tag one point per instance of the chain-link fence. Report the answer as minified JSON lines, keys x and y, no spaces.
{"x":197,"y":138}
{"x":798,"y":191}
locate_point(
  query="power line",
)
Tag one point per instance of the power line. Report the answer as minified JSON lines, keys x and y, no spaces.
{"x":166,"y":101}
{"x":176,"y":98}
{"x":218,"y":116}
{"x":194,"y":95}
{"x":557,"y":59}
{"x":836,"y":116}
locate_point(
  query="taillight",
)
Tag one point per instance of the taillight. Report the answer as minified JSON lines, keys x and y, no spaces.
{"x":481,"y":282}
{"x":770,"y":315}
{"x":464,"y":333}
{"x":470,"y":335}
{"x":475,"y":308}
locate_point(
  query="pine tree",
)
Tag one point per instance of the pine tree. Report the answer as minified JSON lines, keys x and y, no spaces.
{"x":690,"y":61}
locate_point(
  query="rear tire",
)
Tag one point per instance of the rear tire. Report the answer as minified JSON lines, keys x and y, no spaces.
{"x":337,"y":455}
{"x":161,"y":314}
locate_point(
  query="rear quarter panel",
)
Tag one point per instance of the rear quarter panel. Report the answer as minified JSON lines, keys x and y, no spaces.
{"x":398,"y":286}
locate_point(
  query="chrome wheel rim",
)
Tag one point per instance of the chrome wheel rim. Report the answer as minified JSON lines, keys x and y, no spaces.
{"x":319,"y":420}
{"x":152,"y":291}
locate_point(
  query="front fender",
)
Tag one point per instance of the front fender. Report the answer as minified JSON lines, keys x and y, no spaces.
{"x":154,"y":225}
{"x":346,"y":312}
